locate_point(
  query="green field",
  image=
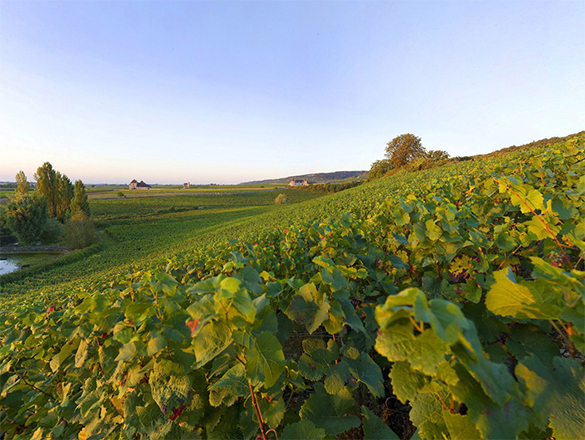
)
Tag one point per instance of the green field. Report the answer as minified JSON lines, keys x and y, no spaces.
{"x":140,"y":231}
{"x":108,"y":191}
{"x":5,"y":193}
{"x":445,"y":303}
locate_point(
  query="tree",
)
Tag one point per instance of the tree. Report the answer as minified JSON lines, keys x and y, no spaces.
{"x":64,"y":196}
{"x":22,"y":187}
{"x":57,"y":189}
{"x":437,"y":155}
{"x":48,"y":186}
{"x":27,"y":218}
{"x":403,"y":149}
{"x":379,"y":168}
{"x":80,"y":203}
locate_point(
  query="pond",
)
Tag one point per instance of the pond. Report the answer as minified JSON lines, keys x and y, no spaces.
{"x":13,"y":261}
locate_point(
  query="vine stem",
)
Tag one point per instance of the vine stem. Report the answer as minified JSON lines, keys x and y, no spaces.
{"x":289,"y":398}
{"x":508,"y":256}
{"x":258,"y":412}
{"x":450,"y":409}
{"x":157,"y":311}
{"x":275,"y":433}
{"x":417,"y":325}
{"x":34,"y":387}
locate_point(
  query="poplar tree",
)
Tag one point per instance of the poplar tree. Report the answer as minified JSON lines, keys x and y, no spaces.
{"x":22,"y":187}
{"x":48,"y":186}
{"x":80,"y":203}
{"x":57,"y":189}
{"x":64,"y":196}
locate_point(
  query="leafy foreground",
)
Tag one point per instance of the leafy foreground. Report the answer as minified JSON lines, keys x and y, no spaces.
{"x":462,"y":294}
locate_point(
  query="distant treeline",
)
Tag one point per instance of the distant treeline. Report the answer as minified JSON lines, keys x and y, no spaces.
{"x":330,"y":187}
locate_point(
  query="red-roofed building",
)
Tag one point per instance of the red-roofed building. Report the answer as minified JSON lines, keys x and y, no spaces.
{"x":138,"y":185}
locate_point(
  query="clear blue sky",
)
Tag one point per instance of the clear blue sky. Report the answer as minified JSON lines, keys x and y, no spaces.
{"x":231,"y":91}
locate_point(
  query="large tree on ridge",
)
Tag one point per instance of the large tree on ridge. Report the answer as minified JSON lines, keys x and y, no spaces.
{"x":403,"y":149}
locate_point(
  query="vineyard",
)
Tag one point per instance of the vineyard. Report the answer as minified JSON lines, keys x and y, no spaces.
{"x":139,"y":231}
{"x":145,"y":203}
{"x":443,"y":304}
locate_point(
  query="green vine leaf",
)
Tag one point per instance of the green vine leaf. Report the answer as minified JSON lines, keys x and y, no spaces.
{"x":556,"y":390}
{"x":303,"y":429}
{"x":374,"y":428}
{"x":308,"y":306}
{"x":265,"y":360}
{"x":330,"y":411}
{"x":510,"y":298}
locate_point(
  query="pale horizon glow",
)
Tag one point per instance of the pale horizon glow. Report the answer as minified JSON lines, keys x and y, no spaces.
{"x":233,"y":91}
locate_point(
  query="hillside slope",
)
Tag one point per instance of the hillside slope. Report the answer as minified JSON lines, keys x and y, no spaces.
{"x":448,"y":301}
{"x":337,"y":176}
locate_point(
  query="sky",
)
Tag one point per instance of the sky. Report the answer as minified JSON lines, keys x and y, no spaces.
{"x":233,"y":91}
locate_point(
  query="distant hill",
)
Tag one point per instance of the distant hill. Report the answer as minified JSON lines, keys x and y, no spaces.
{"x":337,"y":176}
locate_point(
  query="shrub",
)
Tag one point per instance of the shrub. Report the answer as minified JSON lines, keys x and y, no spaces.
{"x":281,"y":199}
{"x":4,"y":229}
{"x":79,"y":232}
{"x":379,"y":168}
{"x":53,"y":232}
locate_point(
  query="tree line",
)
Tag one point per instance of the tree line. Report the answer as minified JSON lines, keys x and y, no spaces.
{"x":406,"y":152}
{"x":58,"y":208}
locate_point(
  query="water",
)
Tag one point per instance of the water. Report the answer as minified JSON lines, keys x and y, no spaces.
{"x":13,"y":262}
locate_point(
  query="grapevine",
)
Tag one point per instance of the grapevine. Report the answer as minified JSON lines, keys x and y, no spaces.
{"x":439,"y":289}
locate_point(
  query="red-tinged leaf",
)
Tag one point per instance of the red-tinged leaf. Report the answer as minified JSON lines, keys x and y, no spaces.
{"x":193,"y":324}
{"x":176,"y":412}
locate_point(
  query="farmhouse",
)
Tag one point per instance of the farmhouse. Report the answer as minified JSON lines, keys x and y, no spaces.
{"x":298,"y":182}
{"x":138,"y":185}
{"x":186,"y":185}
